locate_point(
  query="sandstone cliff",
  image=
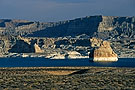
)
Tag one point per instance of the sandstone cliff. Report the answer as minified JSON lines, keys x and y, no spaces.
{"x":59,"y":38}
{"x":105,"y":27}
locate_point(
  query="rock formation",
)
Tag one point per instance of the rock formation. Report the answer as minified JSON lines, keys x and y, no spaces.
{"x":67,"y":36}
{"x":104,"y":52}
{"x":96,"y":42}
{"x":73,"y":54}
{"x":100,"y":26}
{"x":21,"y":46}
{"x":37,"y":49}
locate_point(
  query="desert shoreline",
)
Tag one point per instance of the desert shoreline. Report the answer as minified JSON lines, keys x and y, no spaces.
{"x":64,"y":67}
{"x":67,"y":78}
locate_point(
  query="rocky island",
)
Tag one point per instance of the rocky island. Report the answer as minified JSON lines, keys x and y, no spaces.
{"x":102,"y":51}
{"x":105,"y":53}
{"x":69,"y":39}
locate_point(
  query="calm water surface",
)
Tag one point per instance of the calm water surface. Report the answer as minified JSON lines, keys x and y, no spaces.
{"x":42,"y":62}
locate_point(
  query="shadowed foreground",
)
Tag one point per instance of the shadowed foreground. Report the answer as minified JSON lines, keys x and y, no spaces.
{"x":67,"y":78}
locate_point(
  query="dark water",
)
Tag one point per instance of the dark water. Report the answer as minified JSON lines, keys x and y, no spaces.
{"x":42,"y":62}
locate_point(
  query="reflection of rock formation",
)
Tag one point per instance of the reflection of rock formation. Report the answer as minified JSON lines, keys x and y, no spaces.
{"x":104,"y":52}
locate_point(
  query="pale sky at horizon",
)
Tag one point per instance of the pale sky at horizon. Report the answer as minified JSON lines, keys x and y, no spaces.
{"x":57,"y":10}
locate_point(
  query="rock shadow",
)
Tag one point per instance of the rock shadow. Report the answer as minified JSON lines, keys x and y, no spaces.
{"x":22,"y":47}
{"x":80,"y":72}
{"x":79,"y":26}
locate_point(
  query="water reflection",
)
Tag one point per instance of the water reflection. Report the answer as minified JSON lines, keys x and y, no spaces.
{"x":104,"y":63}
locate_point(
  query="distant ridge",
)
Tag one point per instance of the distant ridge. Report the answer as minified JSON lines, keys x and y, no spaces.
{"x":98,"y":26}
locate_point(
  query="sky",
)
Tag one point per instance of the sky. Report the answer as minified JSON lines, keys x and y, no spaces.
{"x":58,"y":10}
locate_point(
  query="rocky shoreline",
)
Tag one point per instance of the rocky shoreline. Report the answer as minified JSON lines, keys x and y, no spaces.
{"x":61,"y":49}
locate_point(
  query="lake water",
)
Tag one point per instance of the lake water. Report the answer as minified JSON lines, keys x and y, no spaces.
{"x":42,"y":62}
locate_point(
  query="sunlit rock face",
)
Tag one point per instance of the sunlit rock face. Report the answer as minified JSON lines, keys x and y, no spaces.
{"x":102,"y":51}
{"x":37,"y":49}
{"x":95,"y":42}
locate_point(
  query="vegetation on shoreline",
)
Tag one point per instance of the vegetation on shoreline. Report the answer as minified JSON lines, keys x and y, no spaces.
{"x":78,"y":78}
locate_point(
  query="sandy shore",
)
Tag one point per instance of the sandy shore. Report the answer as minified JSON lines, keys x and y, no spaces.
{"x":67,"y":78}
